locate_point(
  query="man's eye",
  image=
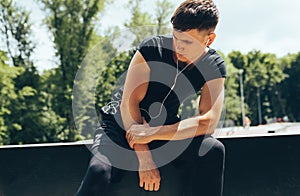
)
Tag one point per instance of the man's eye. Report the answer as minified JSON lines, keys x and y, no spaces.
{"x":188,"y":42}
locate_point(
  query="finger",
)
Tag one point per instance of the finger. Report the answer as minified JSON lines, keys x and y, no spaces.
{"x":141,"y":183}
{"x":127,"y":135}
{"x":146,"y":187}
{"x":156,"y":186}
{"x":128,"y":139}
{"x":131,"y":144}
{"x":151,"y":185}
{"x":144,"y":121}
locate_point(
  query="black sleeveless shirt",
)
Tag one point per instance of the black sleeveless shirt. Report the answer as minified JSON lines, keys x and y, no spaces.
{"x":161,"y":103}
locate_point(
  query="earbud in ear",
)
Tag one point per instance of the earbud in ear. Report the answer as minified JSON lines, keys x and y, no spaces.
{"x":207,"y":42}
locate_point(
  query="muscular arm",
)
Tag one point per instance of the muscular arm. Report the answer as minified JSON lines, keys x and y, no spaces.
{"x":135,"y":88}
{"x":210,"y":107}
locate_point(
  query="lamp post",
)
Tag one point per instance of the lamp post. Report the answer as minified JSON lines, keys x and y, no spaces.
{"x":259,"y":106}
{"x":241,"y":71}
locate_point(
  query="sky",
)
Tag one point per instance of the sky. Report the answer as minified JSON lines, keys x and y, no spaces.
{"x":268,"y":25}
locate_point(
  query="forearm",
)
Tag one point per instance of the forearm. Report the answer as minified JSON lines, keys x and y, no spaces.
{"x":143,"y":153}
{"x":210,"y":109}
{"x":128,"y":118}
{"x":188,"y":128}
{"x":142,"y":150}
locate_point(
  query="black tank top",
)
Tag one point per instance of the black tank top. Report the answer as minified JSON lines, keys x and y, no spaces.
{"x":158,"y":53}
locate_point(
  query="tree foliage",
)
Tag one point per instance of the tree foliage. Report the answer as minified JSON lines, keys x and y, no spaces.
{"x":163,"y":12}
{"x":71,"y":23}
{"x":289,"y":89}
{"x":27,"y":119}
{"x":232,"y":103}
{"x":16,"y":29}
{"x":263,"y":73}
{"x":7,"y":96}
{"x":142,"y":24}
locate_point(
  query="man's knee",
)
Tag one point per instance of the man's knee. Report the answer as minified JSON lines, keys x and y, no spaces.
{"x":219,"y":148}
{"x":212,"y":148}
{"x":100,"y":170}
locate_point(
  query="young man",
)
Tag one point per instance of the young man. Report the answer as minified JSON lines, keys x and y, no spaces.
{"x":164,"y":71}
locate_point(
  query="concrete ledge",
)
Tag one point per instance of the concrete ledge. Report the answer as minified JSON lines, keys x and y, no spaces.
{"x":80,"y":143}
{"x":256,"y":166}
{"x":262,"y":166}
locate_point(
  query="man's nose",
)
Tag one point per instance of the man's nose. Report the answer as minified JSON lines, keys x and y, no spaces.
{"x":179,"y":45}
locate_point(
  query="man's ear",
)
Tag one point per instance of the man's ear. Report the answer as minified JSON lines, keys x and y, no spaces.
{"x":211,"y":38}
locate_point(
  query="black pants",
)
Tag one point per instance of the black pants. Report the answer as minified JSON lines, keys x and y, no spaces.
{"x":200,"y":161}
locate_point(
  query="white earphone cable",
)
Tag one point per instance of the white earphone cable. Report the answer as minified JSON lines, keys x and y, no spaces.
{"x":172,"y":88}
{"x":111,"y":107}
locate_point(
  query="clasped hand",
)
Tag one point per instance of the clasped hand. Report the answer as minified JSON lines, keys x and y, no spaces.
{"x":140,"y":134}
{"x":148,"y":173}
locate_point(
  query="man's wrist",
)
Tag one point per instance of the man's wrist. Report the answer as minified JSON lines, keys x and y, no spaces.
{"x":143,"y":153}
{"x":155,"y":132}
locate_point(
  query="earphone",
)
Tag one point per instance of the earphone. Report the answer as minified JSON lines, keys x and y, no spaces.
{"x":207,"y":42}
{"x":111,"y":107}
{"x":171,"y":89}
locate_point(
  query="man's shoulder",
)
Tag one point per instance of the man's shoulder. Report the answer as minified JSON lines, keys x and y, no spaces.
{"x":216,"y":56}
{"x":212,"y":66}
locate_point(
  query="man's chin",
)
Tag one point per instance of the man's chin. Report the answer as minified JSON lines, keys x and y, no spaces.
{"x":182,"y":58}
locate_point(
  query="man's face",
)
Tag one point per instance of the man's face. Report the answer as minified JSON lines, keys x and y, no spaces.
{"x":189,"y":45}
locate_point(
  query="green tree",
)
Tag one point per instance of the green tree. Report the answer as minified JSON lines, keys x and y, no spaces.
{"x":17,"y":31}
{"x":114,"y":77}
{"x":238,"y":59}
{"x":85,"y":95}
{"x":273,"y":105}
{"x":141,"y":24}
{"x":235,"y":72}
{"x":163,"y":12}
{"x":55,"y":123}
{"x":28,"y":120}
{"x":232,"y":89}
{"x":262,"y":74}
{"x":290,"y":87}
{"x":16,"y":28}
{"x":72,"y":25}
{"x":7,"y":95}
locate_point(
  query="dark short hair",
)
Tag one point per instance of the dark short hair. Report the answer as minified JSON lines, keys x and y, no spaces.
{"x":195,"y":14}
